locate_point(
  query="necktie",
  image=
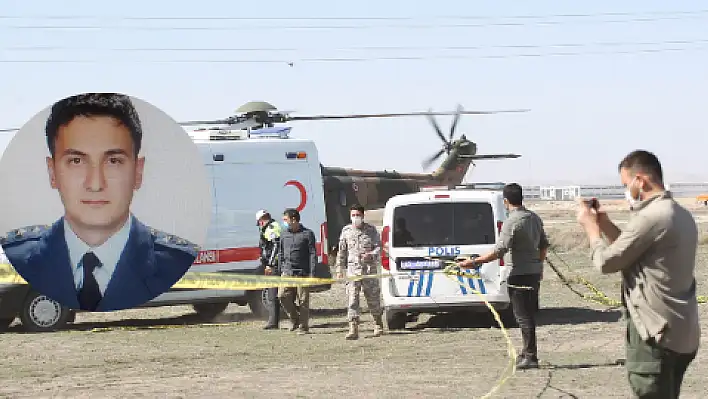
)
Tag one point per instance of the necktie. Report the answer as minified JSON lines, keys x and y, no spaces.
{"x":89,"y":294}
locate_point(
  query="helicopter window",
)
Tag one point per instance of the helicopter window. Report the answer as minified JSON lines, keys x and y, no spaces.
{"x":436,"y":224}
{"x":343,"y":198}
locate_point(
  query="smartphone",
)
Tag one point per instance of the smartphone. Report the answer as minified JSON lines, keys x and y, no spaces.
{"x":592,"y":203}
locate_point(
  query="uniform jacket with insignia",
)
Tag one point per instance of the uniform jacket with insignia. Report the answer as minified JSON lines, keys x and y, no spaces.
{"x":151,"y":262}
{"x":355,"y":242}
{"x":270,"y":235}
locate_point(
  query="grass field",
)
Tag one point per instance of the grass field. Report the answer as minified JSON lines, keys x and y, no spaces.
{"x":456,"y":356}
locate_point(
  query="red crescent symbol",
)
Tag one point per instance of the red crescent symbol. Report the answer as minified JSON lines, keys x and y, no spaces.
{"x":303,"y":193}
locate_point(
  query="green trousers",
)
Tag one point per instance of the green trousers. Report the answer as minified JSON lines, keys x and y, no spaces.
{"x":653,"y":371}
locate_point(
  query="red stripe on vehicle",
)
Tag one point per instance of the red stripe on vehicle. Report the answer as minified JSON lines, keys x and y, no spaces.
{"x":228,"y":255}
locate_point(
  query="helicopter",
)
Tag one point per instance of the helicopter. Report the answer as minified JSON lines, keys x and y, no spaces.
{"x":344,"y":187}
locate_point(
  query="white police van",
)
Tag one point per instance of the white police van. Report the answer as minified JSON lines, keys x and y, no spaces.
{"x":249,"y":171}
{"x":423,"y":230}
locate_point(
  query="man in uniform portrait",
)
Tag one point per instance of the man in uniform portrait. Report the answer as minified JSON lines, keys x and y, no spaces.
{"x":97,"y":256}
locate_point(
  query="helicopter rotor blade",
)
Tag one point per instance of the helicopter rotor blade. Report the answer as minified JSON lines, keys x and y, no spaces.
{"x":247,"y":124}
{"x":8,"y":130}
{"x":233,"y":123}
{"x":426,"y":164}
{"x":490,"y":156}
{"x":437,"y":128}
{"x":393,"y":115}
{"x":208,"y":122}
{"x":454,"y":122}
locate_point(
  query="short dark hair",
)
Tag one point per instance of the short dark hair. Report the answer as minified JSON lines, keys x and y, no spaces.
{"x":114,"y":105}
{"x":513,"y":193}
{"x":292,"y":213}
{"x":357,"y":207}
{"x":644,"y":162}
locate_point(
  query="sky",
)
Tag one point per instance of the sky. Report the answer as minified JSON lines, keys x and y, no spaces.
{"x":636,"y":79}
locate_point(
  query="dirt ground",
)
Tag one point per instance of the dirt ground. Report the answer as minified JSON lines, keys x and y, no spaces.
{"x":158,"y":352}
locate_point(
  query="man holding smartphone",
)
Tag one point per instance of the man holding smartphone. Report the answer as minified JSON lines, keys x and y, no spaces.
{"x":656,"y":255}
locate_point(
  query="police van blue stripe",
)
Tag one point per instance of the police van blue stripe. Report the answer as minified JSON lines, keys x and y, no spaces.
{"x":411,"y":282}
{"x":426,"y":277}
{"x":463,"y":289}
{"x":423,"y":286}
{"x":482,"y":288}
{"x":430,"y":283}
{"x":470,"y":283}
{"x":421,"y":279}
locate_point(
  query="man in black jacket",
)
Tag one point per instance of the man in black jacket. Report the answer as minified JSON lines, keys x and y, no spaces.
{"x":297,"y":256}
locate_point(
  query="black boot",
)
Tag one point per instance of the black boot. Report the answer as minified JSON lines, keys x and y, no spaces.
{"x":526,"y":362}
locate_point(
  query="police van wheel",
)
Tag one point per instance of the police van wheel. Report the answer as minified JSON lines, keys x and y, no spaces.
{"x":396,"y":320}
{"x":208,"y":311}
{"x":41,"y":314}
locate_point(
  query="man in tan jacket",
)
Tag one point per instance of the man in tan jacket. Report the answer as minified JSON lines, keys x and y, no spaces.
{"x":655,"y":254}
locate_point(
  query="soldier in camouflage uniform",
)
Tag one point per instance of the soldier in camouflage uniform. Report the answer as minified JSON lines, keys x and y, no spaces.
{"x":359,"y":247}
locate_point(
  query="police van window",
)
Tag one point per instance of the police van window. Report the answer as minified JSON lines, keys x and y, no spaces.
{"x":461,"y":223}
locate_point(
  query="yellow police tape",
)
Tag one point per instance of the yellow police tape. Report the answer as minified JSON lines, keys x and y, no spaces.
{"x":511,"y":351}
{"x":597,"y":295}
{"x":245,"y":282}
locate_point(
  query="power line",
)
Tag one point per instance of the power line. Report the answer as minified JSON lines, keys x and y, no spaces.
{"x":336,"y":27}
{"x":331,"y":18}
{"x":356,"y":48}
{"x":351,"y":59}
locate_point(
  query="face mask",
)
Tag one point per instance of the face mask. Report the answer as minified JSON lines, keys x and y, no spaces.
{"x":628,"y":194}
{"x":286,"y":224}
{"x":357,"y":220}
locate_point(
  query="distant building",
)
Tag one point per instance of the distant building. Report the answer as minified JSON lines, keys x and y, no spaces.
{"x":571,"y":192}
{"x":688,"y":190}
{"x":532,"y":192}
{"x":559,"y":193}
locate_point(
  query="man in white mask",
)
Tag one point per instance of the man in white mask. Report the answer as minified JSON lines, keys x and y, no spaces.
{"x":359,"y":248}
{"x":656,"y":254}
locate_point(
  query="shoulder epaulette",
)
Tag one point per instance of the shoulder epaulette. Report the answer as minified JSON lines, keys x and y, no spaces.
{"x":24,"y":234}
{"x":173,"y":241}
